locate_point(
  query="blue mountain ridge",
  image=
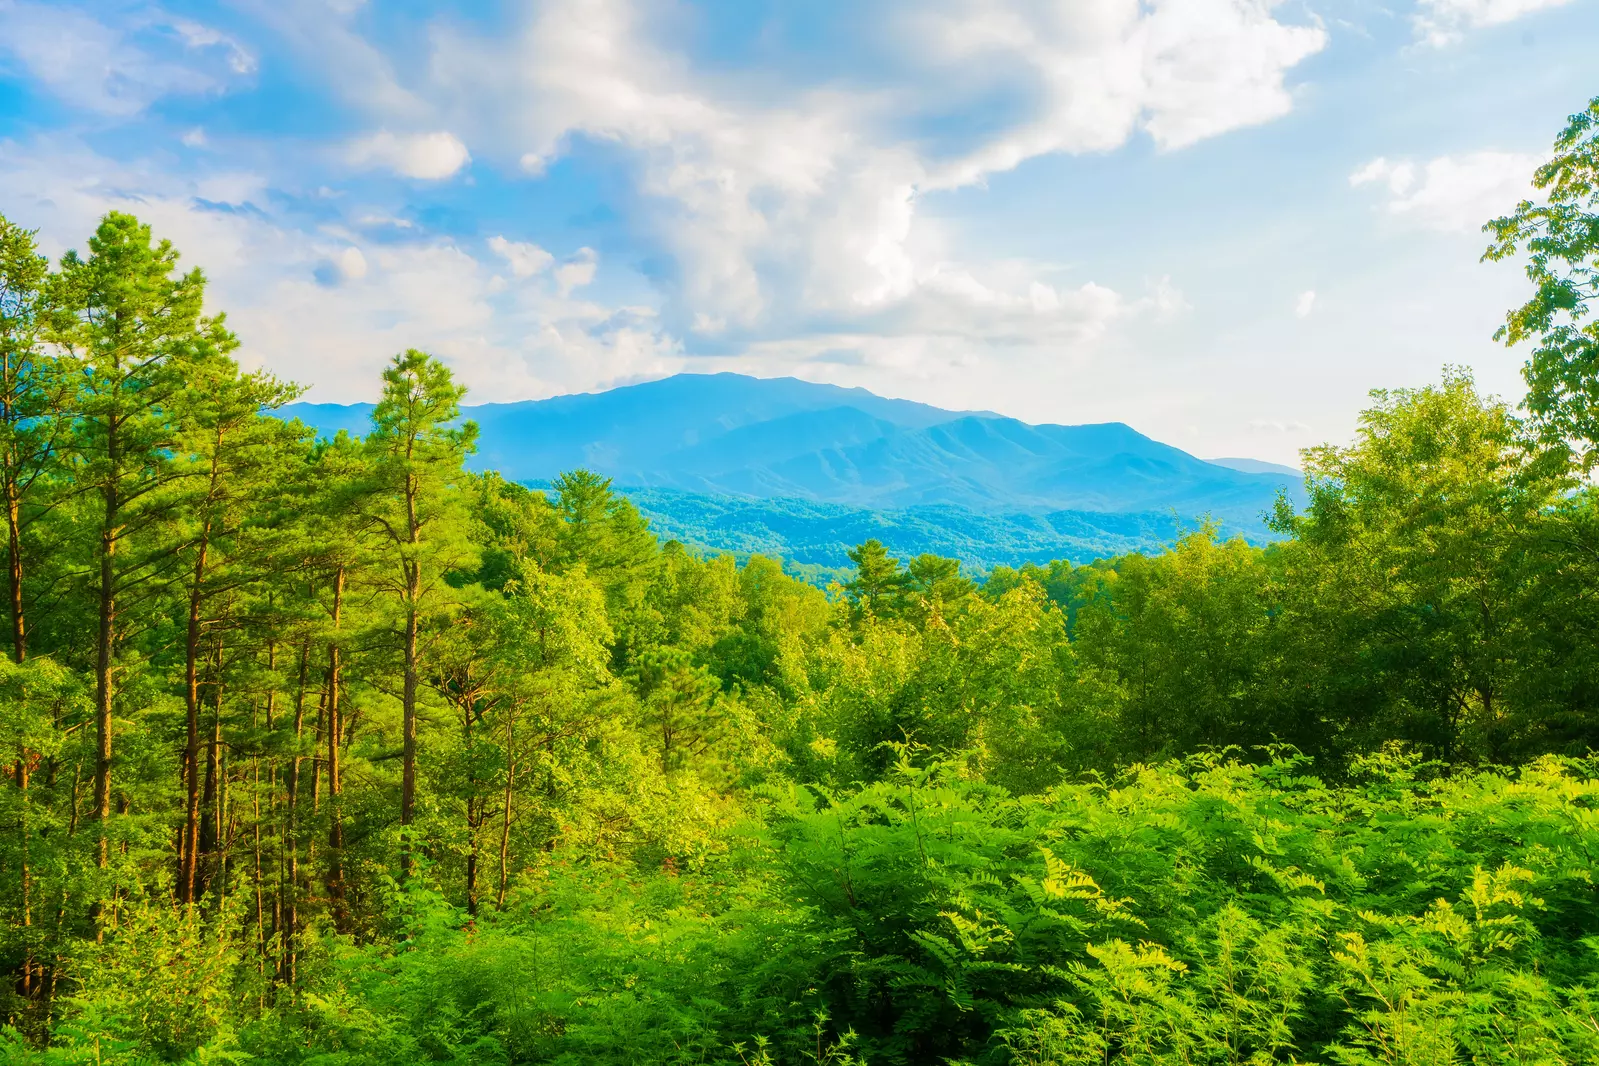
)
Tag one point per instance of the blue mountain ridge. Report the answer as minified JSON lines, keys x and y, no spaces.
{"x":780,"y":455}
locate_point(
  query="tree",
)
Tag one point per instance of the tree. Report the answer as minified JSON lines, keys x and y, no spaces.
{"x":1425,"y":526}
{"x":679,"y":702}
{"x":554,"y":634}
{"x":516,"y":524}
{"x":418,"y":455}
{"x":335,"y":553}
{"x":136,"y":337}
{"x":938,"y":580}
{"x":236,"y":456}
{"x":1561,"y":239}
{"x":31,"y":417}
{"x":605,"y":534}
{"x":1179,"y":637}
{"x":470,"y":670}
{"x":879,"y":584}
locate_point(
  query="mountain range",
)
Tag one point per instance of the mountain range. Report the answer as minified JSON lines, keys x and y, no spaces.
{"x":767,"y":452}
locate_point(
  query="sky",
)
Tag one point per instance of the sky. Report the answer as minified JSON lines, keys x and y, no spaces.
{"x":1222,"y":222}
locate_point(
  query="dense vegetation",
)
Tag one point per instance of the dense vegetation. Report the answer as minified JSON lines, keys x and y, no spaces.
{"x":333,"y":752}
{"x":814,"y":539}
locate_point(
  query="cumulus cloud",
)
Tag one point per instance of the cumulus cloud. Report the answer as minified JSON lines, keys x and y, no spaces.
{"x":1451,"y":193}
{"x":781,"y":215}
{"x":1181,"y":70}
{"x":523,"y":258}
{"x":577,"y":271}
{"x":1443,"y":22}
{"x":800,"y":212}
{"x":348,"y":264}
{"x":305,"y":304}
{"x":1303,"y":305}
{"x":424,"y":156}
{"x":117,"y":65}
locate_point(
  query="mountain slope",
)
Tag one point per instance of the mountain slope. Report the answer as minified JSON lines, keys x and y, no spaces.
{"x":815,"y":538}
{"x":1255,"y":466}
{"x":729,"y":435}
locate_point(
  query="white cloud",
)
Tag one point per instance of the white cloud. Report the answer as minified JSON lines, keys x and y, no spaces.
{"x":352,"y":264}
{"x":577,"y":271}
{"x":424,"y":156}
{"x":304,"y":303}
{"x":1181,"y":70}
{"x":783,"y":219}
{"x":194,"y":138}
{"x":524,"y":259}
{"x":1452,"y":193}
{"x":1399,"y":177}
{"x":1443,"y":22}
{"x":196,"y":36}
{"x":798,"y":210}
{"x":118,"y":66}
{"x":1303,"y":305}
{"x":1166,"y":300}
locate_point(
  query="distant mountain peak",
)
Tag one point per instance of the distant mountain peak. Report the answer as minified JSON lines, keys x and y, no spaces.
{"x":785,"y":438}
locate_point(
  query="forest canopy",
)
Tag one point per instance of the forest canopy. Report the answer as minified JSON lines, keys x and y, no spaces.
{"x":332,"y":751}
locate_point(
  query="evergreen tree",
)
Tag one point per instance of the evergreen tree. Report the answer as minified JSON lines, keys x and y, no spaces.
{"x":32,"y":414}
{"x":236,"y":456}
{"x":879,"y":584}
{"x":135,"y":337}
{"x":416,"y":507}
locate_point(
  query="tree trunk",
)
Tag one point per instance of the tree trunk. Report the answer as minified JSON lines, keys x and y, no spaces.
{"x":255,"y":822}
{"x":19,"y":630}
{"x":11,"y":367}
{"x":316,"y":757}
{"x":413,"y":595}
{"x":104,"y":658}
{"x":408,"y":725}
{"x":474,"y":822}
{"x":268,"y":932}
{"x":25,"y":983}
{"x":291,"y":890}
{"x":505,"y":819}
{"x":210,"y":816}
{"x":474,"y":802}
{"x":224,"y":818}
{"x":335,"y":786}
{"x":19,"y":652}
{"x":189,"y":853}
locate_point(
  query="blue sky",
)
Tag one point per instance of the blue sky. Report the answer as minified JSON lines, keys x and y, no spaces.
{"x":1221,"y":221}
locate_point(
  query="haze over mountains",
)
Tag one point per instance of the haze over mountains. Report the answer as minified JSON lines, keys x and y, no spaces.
{"x":717,"y":444}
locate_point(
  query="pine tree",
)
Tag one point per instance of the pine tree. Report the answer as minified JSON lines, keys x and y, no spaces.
{"x":416,"y":504}
{"x":879,"y":585}
{"x":235,"y":454}
{"x":31,"y":415}
{"x":136,"y":337}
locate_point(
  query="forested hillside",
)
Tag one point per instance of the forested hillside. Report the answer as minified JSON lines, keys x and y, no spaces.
{"x":336,"y":752}
{"x":788,"y":440}
{"x":805,"y":472}
{"x":814,"y":539}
